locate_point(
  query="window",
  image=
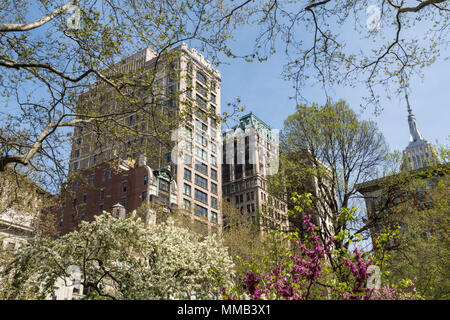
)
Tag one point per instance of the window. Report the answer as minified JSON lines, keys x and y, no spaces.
{"x":213,"y":147}
{"x":200,"y":101}
{"x":77,"y":153}
{"x":188,"y":146}
{"x":105,"y":174}
{"x":102,"y":194}
{"x":203,"y":168}
{"x":75,"y":166}
{"x":164,"y":198}
{"x":213,"y":160}
{"x":188,"y":132}
{"x":168,"y":157}
{"x":199,"y":152}
{"x":213,"y":187}
{"x":144,"y":196}
{"x":213,"y":97}
{"x":236,"y":198}
{"x":124,"y":186}
{"x":200,"y":125}
{"x":201,"y":89}
{"x":110,"y":173}
{"x":214,"y":202}
{"x":78,"y":141}
{"x":187,"y":159}
{"x":84,"y":198}
{"x":200,"y":211}
{"x":145,"y":179}
{"x":186,"y":204}
{"x":201,"y":140}
{"x":214,"y":174}
{"x":214,"y":216}
{"x":123,"y":201}
{"x":163,"y":185}
{"x":100,"y":209}
{"x":83,"y":214}
{"x":201,"y":196}
{"x":187,"y":174}
{"x":201,"y":182}
{"x":213,"y":134}
{"x":187,"y":189}
{"x":201,"y":77}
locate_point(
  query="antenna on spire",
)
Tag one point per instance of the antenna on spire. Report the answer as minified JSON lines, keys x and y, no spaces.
{"x":407,"y":102}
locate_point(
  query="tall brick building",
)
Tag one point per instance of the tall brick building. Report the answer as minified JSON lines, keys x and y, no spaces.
{"x":188,"y":84}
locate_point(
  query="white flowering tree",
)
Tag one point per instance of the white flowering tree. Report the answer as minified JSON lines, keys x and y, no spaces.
{"x":121,"y":259}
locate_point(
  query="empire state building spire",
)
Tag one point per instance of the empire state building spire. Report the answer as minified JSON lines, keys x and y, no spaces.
{"x":419,"y":153}
{"x":413,"y":130}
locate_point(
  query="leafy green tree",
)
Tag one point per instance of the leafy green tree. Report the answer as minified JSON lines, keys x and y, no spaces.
{"x":417,"y":204}
{"x":326,"y":151}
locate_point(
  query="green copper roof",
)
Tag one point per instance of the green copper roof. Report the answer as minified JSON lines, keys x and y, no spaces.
{"x":250,"y":121}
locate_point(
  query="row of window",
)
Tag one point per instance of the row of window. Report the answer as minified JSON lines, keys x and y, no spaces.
{"x":199,"y":195}
{"x":123,"y":202}
{"x":201,"y":181}
{"x":240,"y":198}
{"x":200,"y":167}
{"x":201,"y":139}
{"x":199,"y":210}
{"x":240,"y":186}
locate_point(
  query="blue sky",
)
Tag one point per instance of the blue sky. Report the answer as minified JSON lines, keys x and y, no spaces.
{"x":263,"y":91}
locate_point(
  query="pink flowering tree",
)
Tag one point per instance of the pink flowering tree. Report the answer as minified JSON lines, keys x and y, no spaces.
{"x":307,"y":275}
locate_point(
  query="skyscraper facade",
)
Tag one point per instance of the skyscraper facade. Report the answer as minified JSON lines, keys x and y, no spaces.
{"x":184,"y":88}
{"x":250,"y":155}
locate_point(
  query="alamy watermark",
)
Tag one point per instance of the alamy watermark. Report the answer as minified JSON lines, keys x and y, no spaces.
{"x":374,"y":280}
{"x":374,"y":20}
{"x":249,"y":147}
{"x":73,"y":20}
